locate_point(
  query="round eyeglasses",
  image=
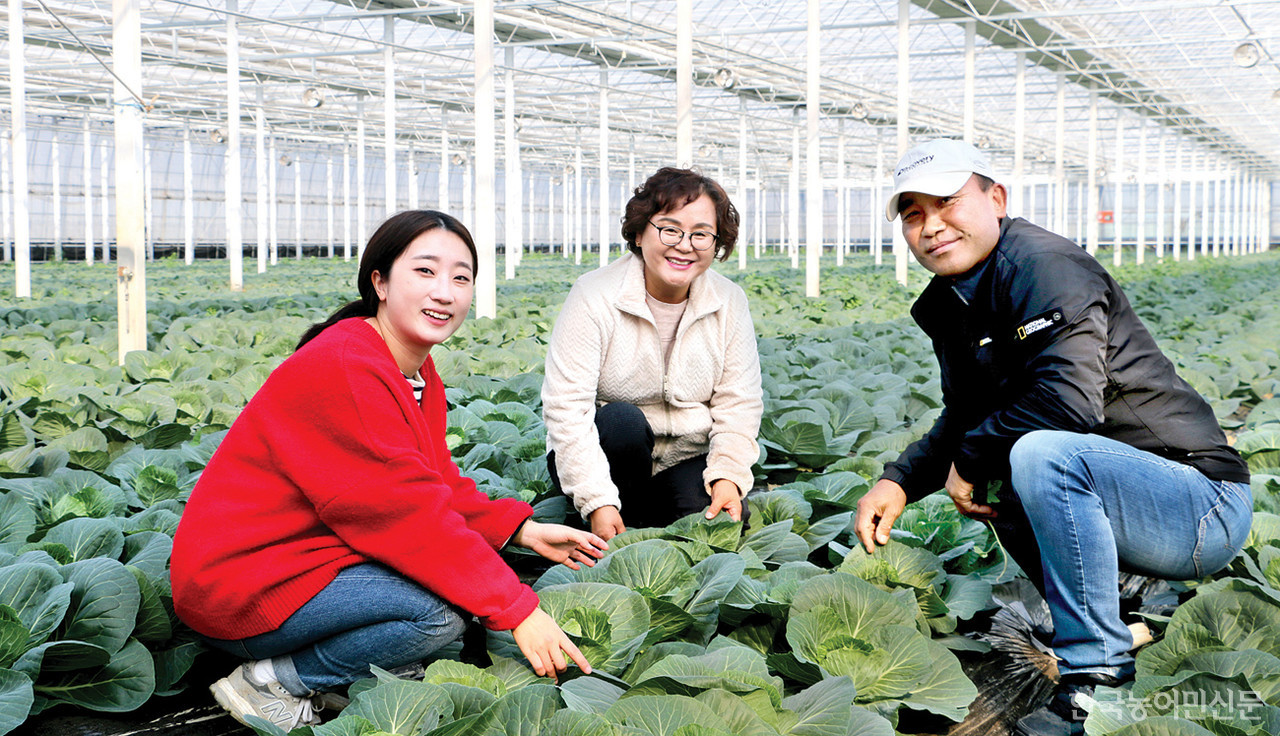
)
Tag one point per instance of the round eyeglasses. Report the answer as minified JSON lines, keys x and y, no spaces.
{"x":671,"y":236}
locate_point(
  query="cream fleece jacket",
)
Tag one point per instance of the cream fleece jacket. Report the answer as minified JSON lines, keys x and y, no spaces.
{"x":605,"y":348}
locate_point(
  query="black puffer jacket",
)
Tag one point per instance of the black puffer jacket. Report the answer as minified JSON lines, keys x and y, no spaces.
{"x":1039,"y":336}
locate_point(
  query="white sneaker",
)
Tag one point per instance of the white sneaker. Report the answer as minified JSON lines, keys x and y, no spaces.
{"x":242,"y":695}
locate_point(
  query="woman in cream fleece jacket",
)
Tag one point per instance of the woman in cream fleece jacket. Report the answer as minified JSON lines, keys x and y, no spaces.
{"x":652,"y":395}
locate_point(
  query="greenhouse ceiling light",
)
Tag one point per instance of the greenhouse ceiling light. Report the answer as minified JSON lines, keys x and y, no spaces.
{"x":725,"y":78}
{"x":859,"y":111}
{"x":1246,"y":55}
{"x":312,"y":97}
{"x":459,"y":159}
{"x":217,"y":135}
{"x":285,"y":160}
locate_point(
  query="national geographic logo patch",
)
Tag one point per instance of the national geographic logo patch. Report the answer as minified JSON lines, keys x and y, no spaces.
{"x":1040,"y":322}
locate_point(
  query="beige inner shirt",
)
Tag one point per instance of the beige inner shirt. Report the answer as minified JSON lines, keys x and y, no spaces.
{"x":667,"y":318}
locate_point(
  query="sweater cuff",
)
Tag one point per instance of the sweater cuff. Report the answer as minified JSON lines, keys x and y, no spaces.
{"x":514,"y":614}
{"x":742,"y":479}
{"x":896,"y":475}
{"x":596,"y":503}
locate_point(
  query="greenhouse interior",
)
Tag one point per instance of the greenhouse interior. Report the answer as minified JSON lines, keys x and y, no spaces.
{"x":188,"y":187}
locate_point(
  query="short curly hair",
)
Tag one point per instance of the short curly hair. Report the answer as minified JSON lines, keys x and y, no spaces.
{"x":670,"y":188}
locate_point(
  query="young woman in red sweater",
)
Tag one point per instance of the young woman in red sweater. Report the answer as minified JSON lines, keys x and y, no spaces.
{"x":331,"y":530}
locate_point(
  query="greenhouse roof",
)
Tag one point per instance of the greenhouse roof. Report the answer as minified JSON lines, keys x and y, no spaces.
{"x":1203,"y":70}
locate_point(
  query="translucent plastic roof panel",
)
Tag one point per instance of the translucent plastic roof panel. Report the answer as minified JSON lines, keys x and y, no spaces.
{"x":1203,"y":71}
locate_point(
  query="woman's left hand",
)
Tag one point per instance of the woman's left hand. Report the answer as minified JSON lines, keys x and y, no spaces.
{"x":560,"y":543}
{"x":725,"y":496}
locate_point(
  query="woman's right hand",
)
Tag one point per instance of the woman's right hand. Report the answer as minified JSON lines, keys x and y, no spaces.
{"x":542,"y":642}
{"x":606,"y":522}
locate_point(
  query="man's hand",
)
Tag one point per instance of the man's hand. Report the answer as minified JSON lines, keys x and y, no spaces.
{"x":606,"y":522}
{"x":877,"y":510}
{"x":961,"y":492}
{"x":725,"y":496}
{"x":560,"y":543}
{"x":541,"y":640}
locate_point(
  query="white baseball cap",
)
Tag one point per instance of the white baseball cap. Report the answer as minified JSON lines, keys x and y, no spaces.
{"x":939,"y":168}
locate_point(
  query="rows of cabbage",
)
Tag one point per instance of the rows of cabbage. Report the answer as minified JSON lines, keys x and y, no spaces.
{"x":101,"y":462}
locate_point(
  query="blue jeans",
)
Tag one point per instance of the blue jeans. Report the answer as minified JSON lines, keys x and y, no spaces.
{"x":1097,"y":505}
{"x":367,"y":615}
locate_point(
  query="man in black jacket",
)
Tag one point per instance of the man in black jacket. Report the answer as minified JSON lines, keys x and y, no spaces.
{"x":1055,"y":391}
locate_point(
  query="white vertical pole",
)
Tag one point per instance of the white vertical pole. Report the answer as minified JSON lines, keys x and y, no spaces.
{"x":551,"y":211}
{"x":1019,"y":135}
{"x":970,"y":74}
{"x":1176,"y":239}
{"x":297,"y":208}
{"x":579,"y":195}
{"x":904,"y":111}
{"x":1162,"y":176}
{"x":566,"y":214}
{"x":262,"y":171}
{"x":55,"y":169}
{"x":329,"y":203}
{"x":188,"y":200}
{"x":1228,"y":209}
{"x":415,"y":177}
{"x":511,"y":159}
{"x":684,"y":83}
{"x":1237,"y":218}
{"x":1081,"y":211}
{"x":631,"y":169}
{"x":147,"y":203}
{"x":1206,"y":206}
{"x":842,"y":204}
{"x":234,"y":182}
{"x":759,"y":218}
{"x":1256,"y":228}
{"x":1141,"y":230}
{"x":1219,"y":179}
{"x":442,"y":179}
{"x":468,"y":190}
{"x":812,"y":159}
{"x":346,"y":199}
{"x":875,"y":235}
{"x":531,"y":215}
{"x":131,"y":276}
{"x":104,"y":191}
{"x":485,"y":160}
{"x":273,"y":202}
{"x":362,"y":207}
{"x":742,"y":181}
{"x":5,"y":200}
{"x":1118,"y":178}
{"x":1191,"y":205}
{"x":604,"y":167}
{"x":793,"y":192}
{"x":21,"y":188}
{"x":88,"y":191}
{"x":388,"y":114}
{"x":1091,"y":209}
{"x":1059,"y":157}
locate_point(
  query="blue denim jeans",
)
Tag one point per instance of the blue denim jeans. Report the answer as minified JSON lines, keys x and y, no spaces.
{"x":367,"y":615}
{"x":1096,"y":506}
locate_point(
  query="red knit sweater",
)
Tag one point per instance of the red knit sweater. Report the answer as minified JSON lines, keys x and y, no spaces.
{"x":332,"y":464}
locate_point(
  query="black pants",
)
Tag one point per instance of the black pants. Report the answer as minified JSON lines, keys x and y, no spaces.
{"x":647,"y":500}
